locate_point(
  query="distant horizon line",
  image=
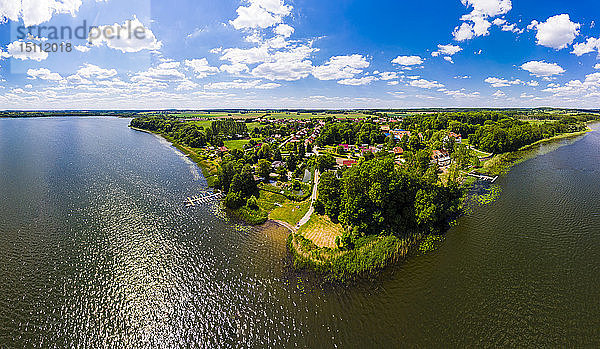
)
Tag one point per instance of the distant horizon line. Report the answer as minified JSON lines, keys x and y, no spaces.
{"x":292,"y":109}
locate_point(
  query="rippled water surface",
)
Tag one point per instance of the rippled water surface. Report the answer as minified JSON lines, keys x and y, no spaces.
{"x":97,"y":250}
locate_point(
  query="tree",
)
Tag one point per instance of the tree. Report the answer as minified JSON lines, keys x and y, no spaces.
{"x":264,"y":168}
{"x":325,"y":162}
{"x":329,"y":194}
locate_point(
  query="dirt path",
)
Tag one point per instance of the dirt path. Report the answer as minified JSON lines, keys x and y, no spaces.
{"x":313,"y":198}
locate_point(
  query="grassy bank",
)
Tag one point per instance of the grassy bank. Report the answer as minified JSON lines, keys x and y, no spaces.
{"x":371,"y":254}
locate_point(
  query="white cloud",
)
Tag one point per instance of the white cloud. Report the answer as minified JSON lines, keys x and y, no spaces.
{"x":597,"y":66}
{"x":589,"y":87}
{"x":499,"y":94}
{"x":201,"y":67}
{"x":246,"y":56}
{"x":93,"y":71}
{"x":446,"y":50}
{"x":499,"y":82}
{"x":388,"y":76}
{"x":542,"y":69}
{"x":463,"y":32}
{"x":284,"y":30}
{"x":408,"y":60}
{"x":422,"y":83}
{"x":449,"y":59}
{"x":341,"y":67}
{"x":15,"y":50}
{"x":491,"y":8}
{"x":234,"y":69}
{"x":507,"y":27}
{"x":393,"y":83}
{"x":131,"y":36}
{"x":359,"y":81}
{"x":243,"y":85}
{"x":591,"y":45}
{"x":261,"y":14}
{"x":557,"y":32}
{"x":82,"y":48}
{"x":43,"y":74}
{"x":283,"y":69}
{"x":186,"y":85}
{"x":34,"y":12}
{"x":160,"y":76}
{"x":476,"y":23}
{"x":460,"y":93}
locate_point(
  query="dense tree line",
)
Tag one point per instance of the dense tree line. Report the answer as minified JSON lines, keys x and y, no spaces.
{"x":511,"y":134}
{"x":350,"y":133}
{"x":377,"y":197}
{"x":491,"y":131}
{"x":191,"y":134}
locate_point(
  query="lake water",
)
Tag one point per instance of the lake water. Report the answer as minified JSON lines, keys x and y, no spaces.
{"x":98,"y":250}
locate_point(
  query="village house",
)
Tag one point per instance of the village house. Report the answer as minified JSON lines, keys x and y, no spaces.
{"x":457,"y":137}
{"x":399,"y":134}
{"x":441,"y":158}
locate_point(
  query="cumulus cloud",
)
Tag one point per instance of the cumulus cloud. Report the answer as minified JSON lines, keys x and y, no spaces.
{"x":234,"y":69}
{"x":43,"y":74}
{"x":476,"y":23}
{"x":240,"y":84}
{"x":160,"y":76}
{"x":93,"y":71}
{"x":34,"y":12}
{"x":201,"y":67}
{"x":82,"y":48}
{"x":446,"y":50}
{"x":388,"y":76}
{"x":557,"y":32}
{"x":499,"y":94}
{"x":131,"y":36}
{"x":542,"y":69}
{"x":507,"y":27}
{"x":15,"y":50}
{"x":422,"y":83}
{"x":261,"y":14}
{"x":489,"y":8}
{"x":284,"y":30}
{"x":408,"y":60}
{"x":341,"y":67}
{"x":590,"y":45}
{"x":358,"y":81}
{"x":589,"y":87}
{"x":500,"y":82}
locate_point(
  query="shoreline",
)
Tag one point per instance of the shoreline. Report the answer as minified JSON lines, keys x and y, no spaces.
{"x":306,"y":255}
{"x":380,"y":252}
{"x":193,"y":156}
{"x":501,"y":164}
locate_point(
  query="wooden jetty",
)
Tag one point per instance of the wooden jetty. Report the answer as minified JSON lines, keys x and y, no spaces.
{"x":485,"y":178}
{"x":202,"y":199}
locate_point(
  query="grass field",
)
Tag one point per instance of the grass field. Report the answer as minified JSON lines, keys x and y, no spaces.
{"x":290,"y":212}
{"x":321,"y":231}
{"x":236,"y":144}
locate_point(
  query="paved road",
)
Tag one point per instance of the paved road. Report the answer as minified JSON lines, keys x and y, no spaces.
{"x":313,"y":198}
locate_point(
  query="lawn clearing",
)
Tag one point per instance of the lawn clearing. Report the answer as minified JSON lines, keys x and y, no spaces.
{"x":321,"y":231}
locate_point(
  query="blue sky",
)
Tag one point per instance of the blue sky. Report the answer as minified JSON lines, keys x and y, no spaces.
{"x":303,"y":54}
